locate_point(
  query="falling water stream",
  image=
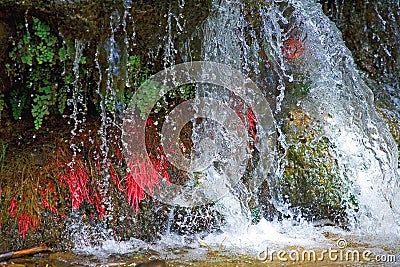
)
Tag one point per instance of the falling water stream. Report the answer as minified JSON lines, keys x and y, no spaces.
{"x":337,"y":96}
{"x":251,"y":37}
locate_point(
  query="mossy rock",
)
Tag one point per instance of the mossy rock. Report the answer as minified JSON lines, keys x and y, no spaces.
{"x":91,"y":20}
{"x":312,"y":182}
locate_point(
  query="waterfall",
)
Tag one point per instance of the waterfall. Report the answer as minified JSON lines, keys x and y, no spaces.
{"x":318,"y":105}
{"x":337,"y":98}
{"x":366,"y":147}
{"x":288,"y":146}
{"x":221,"y":44}
{"x":79,"y":109}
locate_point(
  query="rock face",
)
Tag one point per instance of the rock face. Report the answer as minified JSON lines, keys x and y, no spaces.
{"x":312,"y":181}
{"x":370,"y":30}
{"x":91,"y":20}
{"x":138,"y":27}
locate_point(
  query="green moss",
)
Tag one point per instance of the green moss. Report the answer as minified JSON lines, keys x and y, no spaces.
{"x":312,"y":181}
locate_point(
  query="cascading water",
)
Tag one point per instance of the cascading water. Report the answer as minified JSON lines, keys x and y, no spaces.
{"x":286,"y":146}
{"x":296,"y":44}
{"x":281,"y":46}
{"x":79,"y":108}
{"x":368,"y":151}
{"x":223,"y":37}
{"x":112,"y":79}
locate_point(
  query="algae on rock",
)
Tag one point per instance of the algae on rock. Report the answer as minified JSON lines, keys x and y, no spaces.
{"x":312,"y":182}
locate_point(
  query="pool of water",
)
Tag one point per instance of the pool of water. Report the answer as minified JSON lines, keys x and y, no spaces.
{"x":265,"y":244}
{"x":204,"y":259}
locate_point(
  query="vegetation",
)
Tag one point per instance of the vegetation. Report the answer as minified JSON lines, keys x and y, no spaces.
{"x":43,"y":70}
{"x":51,"y":181}
{"x":33,"y":58}
{"x":29,"y":192}
{"x":312,"y":182}
{"x":149,"y":92}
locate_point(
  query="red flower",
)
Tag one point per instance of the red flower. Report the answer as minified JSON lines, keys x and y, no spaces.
{"x":13,"y":207}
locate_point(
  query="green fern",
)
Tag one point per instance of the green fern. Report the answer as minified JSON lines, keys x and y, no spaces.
{"x":18,"y":103}
{"x":32,"y":59}
{"x":41,"y":104}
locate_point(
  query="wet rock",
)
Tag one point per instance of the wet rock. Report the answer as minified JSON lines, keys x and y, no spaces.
{"x":370,"y":30}
{"x":312,"y":182}
{"x":145,"y":20}
{"x":188,"y":221}
{"x":386,"y":107}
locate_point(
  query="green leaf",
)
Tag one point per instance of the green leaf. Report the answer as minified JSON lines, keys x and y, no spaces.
{"x":62,"y":53}
{"x":83,"y":60}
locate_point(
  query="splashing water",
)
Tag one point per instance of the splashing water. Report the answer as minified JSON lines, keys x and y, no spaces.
{"x":363,"y":140}
{"x":110,"y":61}
{"x":279,"y":45}
{"x":297,"y":40}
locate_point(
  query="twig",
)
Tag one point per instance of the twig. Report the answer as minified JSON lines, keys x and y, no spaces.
{"x":24,"y":252}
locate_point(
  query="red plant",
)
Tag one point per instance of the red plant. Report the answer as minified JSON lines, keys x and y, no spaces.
{"x":118,"y":155}
{"x":161,"y":167}
{"x":134,"y":192}
{"x":98,"y":204}
{"x":115,"y":177}
{"x":149,"y":122}
{"x":27,"y":211}
{"x":13,"y":207}
{"x":143,"y":173}
{"x":45,"y":195}
{"x":293,"y":48}
{"x":76,"y":178}
{"x":252,"y":123}
{"x":25,"y":221}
